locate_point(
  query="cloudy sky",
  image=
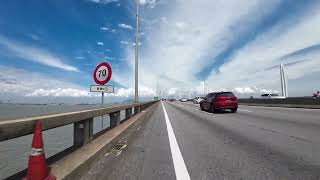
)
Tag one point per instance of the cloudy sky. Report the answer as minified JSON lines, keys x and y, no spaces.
{"x":49,"y":49}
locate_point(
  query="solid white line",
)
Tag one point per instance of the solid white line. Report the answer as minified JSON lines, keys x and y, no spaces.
{"x":178,"y":162}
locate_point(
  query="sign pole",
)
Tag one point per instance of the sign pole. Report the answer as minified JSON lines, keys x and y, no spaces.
{"x":101,"y":76}
{"x":102,"y":102}
{"x":102,"y":98}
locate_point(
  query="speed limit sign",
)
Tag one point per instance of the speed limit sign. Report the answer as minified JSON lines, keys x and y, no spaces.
{"x":102,"y":73}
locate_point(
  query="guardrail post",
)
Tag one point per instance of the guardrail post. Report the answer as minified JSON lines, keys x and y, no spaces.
{"x":128,"y":113}
{"x":115,"y":119}
{"x":136,"y":109}
{"x":83,"y":132}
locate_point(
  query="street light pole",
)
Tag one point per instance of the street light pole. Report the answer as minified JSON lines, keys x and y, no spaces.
{"x":136,"y":100}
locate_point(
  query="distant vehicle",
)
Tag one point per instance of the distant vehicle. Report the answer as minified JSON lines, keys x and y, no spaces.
{"x":184,"y":100}
{"x":177,"y":99}
{"x":218,"y":101}
{"x":171,"y":100}
{"x":197,"y":100}
{"x":271,"y":96}
{"x":316,"y":95}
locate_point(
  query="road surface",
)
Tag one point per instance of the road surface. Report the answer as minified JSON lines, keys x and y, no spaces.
{"x":254,"y":143}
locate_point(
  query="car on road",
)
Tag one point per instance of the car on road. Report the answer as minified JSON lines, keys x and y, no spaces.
{"x":197,"y":100}
{"x":271,"y":96}
{"x":218,"y":101}
{"x":184,"y":99}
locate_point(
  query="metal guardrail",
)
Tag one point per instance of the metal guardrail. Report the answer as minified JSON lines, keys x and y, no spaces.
{"x":82,"y":120}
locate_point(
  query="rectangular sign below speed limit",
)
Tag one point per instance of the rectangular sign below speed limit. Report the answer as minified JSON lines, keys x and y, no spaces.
{"x":105,"y":89}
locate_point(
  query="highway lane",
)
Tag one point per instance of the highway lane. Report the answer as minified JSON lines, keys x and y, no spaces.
{"x":248,"y":144}
{"x":254,"y":143}
{"x":147,"y":155}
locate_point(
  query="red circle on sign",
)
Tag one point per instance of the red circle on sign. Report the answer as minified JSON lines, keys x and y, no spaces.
{"x":109,"y":73}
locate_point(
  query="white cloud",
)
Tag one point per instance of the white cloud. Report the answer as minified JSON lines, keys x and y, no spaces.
{"x":104,"y":28}
{"x":124,"y":42}
{"x":253,"y":90}
{"x":80,"y":57}
{"x":172,"y":91}
{"x":150,"y":3}
{"x":129,"y":92}
{"x":125,"y":26}
{"x":24,"y":82}
{"x":34,"y":37}
{"x":183,"y":42}
{"x":180,"y":43}
{"x":100,"y":43}
{"x":142,"y":2}
{"x":104,"y":1}
{"x":250,"y":64}
{"x":133,"y":44}
{"x":34,"y":54}
{"x":71,"y":92}
{"x":107,"y":57}
{"x":37,"y":85}
{"x":263,"y":91}
{"x":242,"y":90}
{"x":113,"y":30}
{"x":61,"y":92}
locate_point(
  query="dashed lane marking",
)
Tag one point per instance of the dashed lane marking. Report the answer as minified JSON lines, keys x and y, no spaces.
{"x":203,"y":111}
{"x":244,"y":110}
{"x":178,"y":162}
{"x":179,"y":105}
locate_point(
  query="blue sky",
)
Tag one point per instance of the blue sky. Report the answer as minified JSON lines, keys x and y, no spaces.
{"x":78,"y":32}
{"x":49,"y":49}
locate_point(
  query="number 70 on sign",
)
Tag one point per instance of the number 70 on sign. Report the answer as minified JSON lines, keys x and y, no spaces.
{"x":102,"y":73}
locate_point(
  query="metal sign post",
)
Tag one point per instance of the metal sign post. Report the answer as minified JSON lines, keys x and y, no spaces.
{"x":102,"y":75}
{"x":102,"y":98}
{"x":102,"y":102}
{"x":102,"y":89}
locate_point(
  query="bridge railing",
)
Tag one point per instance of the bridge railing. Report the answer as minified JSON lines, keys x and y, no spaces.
{"x":82,"y":120}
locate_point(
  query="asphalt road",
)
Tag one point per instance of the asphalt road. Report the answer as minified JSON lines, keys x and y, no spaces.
{"x":254,"y":143}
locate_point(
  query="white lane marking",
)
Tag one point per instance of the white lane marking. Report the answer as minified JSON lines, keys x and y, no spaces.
{"x":178,"y":162}
{"x":204,"y":111}
{"x":244,"y":110}
{"x":180,"y":105}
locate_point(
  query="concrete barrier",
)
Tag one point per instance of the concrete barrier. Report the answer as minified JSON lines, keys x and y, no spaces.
{"x":83,"y":130}
{"x":290,"y":102}
{"x":76,"y":164}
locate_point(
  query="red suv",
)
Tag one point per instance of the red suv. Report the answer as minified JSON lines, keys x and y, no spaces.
{"x":218,"y":101}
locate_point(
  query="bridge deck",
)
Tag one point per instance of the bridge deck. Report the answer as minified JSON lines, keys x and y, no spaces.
{"x":255,"y":143}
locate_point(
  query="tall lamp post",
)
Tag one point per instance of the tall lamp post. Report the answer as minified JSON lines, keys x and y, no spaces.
{"x":136,"y":96}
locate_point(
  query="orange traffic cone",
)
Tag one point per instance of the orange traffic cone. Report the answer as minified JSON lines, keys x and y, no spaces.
{"x":37,"y":167}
